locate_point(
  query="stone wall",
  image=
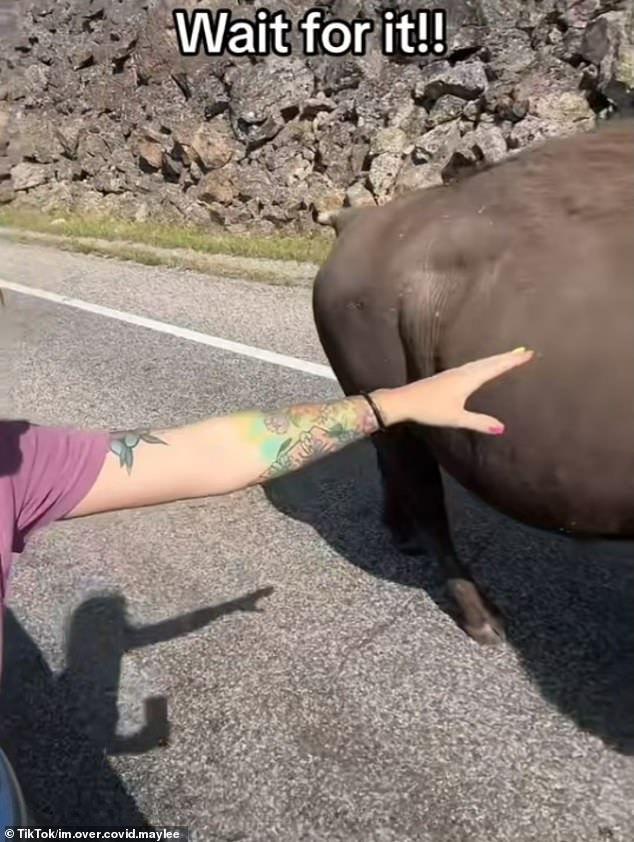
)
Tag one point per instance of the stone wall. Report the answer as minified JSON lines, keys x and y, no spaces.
{"x":100,"y":113}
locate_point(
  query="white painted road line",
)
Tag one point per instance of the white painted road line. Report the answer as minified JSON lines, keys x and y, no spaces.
{"x":173,"y":330}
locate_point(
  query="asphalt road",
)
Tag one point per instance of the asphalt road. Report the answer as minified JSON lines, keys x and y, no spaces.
{"x":140,"y":688}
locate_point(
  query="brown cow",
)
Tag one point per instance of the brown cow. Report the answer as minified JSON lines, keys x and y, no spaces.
{"x":537,"y":250}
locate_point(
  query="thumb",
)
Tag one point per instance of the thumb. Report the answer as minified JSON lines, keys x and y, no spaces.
{"x":482,"y":423}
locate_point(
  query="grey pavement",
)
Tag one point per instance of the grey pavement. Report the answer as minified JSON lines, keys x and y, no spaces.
{"x":139,"y":686}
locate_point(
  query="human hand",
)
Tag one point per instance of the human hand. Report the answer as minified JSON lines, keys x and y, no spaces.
{"x":439,"y":401}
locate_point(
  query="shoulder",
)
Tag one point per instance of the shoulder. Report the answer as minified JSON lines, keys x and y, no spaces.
{"x":49,"y":470}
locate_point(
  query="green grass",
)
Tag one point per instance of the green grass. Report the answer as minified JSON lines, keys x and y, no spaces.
{"x":305,"y":249}
{"x":204,"y":263}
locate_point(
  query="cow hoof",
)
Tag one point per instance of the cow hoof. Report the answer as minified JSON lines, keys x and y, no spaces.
{"x":489,"y":633}
{"x":477,"y":617}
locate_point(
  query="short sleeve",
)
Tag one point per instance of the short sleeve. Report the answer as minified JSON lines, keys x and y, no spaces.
{"x":54,"y":469}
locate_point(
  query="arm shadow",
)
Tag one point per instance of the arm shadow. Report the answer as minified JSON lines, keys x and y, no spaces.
{"x":567,"y":602}
{"x":58,"y":730}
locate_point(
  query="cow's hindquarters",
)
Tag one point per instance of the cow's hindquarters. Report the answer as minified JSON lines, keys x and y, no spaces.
{"x":359,"y":329}
{"x":566,"y":461}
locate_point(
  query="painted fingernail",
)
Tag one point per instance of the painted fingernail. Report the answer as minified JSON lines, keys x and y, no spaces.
{"x":497,"y":430}
{"x":520,"y":350}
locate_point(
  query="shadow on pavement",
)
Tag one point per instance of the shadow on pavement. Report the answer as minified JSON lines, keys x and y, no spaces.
{"x":57,"y":729}
{"x":567,"y":604}
{"x":10,"y":453}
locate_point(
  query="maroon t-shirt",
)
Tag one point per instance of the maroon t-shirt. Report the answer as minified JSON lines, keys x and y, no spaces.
{"x":44,"y":473}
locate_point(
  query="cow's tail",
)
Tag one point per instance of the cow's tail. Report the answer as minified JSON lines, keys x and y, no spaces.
{"x":338,"y":218}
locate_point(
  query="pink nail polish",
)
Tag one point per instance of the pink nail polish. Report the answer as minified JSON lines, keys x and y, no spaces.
{"x":497,"y":430}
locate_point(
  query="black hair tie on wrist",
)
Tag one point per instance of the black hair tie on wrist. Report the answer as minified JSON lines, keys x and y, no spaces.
{"x":375,"y":410}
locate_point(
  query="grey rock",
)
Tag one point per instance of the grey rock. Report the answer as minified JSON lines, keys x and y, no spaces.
{"x":291,"y":154}
{"x":437,"y":145}
{"x":212,"y":145}
{"x":390,"y":140}
{"x":334,"y":145}
{"x":329,"y":200}
{"x":62,"y":171}
{"x":503,"y":100}
{"x":413,"y":176}
{"x":318,"y":185}
{"x":336,"y":74}
{"x":5,"y":168}
{"x":153,"y":134}
{"x":563,"y":108}
{"x":358,"y":195}
{"x":446,"y":108}
{"x":37,"y":141}
{"x":510,"y":54}
{"x":502,"y":13}
{"x":151,"y":154}
{"x":63,"y":88}
{"x":217,"y":187}
{"x":92,"y":154}
{"x":315,"y":105}
{"x":68,"y":134}
{"x":384,"y":95}
{"x":532,"y":130}
{"x":207,"y":91}
{"x":109,"y":182}
{"x":172,"y":168}
{"x":36,"y":77}
{"x":259,"y":134}
{"x":383,"y":171}
{"x":432,"y":154}
{"x":534,"y":14}
{"x":26,"y":176}
{"x":192,"y":212}
{"x":84,"y":56}
{"x":253,"y":183}
{"x":472,"y":110}
{"x":608,"y":43}
{"x":579,"y":15}
{"x":269,"y":91}
{"x":402,"y":116}
{"x":7,"y":193}
{"x":486,"y":143}
{"x":466,"y":80}
{"x":550,"y":91}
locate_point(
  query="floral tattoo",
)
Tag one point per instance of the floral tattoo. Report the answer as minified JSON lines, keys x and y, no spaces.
{"x":291,"y":438}
{"x":123,"y":444}
{"x":286,"y":439}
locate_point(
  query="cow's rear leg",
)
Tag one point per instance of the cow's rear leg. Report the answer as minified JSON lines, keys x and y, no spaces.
{"x":359,"y":331}
{"x":401,"y":521}
{"x":413,"y":494}
{"x":412,"y":476}
{"x":363,"y":347}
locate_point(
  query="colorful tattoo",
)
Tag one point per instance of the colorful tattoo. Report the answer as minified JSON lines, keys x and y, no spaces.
{"x":123,"y":444}
{"x":291,"y":438}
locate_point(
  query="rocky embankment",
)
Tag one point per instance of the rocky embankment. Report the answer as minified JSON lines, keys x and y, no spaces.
{"x":100,"y":113}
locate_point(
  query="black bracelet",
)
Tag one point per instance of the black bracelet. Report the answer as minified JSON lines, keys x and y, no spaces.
{"x":375,"y":410}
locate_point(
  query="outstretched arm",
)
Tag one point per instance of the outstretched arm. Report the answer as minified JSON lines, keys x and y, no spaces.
{"x":224,"y":454}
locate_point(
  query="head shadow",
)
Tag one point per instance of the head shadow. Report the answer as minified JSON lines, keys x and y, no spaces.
{"x":58,"y":729}
{"x":567,"y":604}
{"x":10,"y":449}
